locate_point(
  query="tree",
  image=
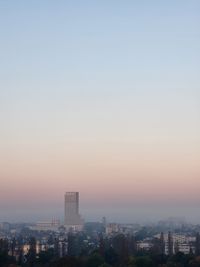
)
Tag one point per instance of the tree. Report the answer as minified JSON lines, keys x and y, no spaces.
{"x":95,"y":260}
{"x":120,"y":245}
{"x":144,"y":261}
{"x":111,"y":256}
{"x":46,"y":256}
{"x":105,"y":265}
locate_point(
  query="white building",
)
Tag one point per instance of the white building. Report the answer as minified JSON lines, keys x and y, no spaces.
{"x":47,"y":225}
{"x":112,"y":228}
{"x":180,"y":242}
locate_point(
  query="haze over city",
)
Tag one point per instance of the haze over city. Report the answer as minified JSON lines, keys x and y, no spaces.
{"x":100,"y":97}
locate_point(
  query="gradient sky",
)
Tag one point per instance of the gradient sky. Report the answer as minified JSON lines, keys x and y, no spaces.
{"x":100,"y":97}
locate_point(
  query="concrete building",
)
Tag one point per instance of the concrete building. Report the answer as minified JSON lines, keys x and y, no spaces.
{"x":112,"y":228}
{"x":144,"y":245}
{"x":72,"y":217}
{"x":179,"y":242}
{"x":47,"y":225}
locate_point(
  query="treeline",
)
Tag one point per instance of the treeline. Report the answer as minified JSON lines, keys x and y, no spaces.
{"x":112,"y":259}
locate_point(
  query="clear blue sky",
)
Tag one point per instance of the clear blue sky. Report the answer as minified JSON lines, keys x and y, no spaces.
{"x":93,"y":91}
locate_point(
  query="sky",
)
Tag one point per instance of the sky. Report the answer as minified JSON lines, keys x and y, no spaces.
{"x":100,"y":97}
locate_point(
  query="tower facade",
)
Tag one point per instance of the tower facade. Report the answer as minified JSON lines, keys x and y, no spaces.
{"x":72,"y":216}
{"x":170,"y":244}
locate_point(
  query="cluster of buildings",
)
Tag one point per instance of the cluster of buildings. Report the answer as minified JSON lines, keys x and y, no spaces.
{"x":72,"y":218}
{"x":170,"y":243}
{"x":54,"y":234}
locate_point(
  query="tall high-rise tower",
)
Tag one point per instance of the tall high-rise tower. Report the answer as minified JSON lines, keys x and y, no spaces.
{"x":72,"y":216}
{"x":170,"y":244}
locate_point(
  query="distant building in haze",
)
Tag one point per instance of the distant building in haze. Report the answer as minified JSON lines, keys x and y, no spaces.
{"x":47,"y":225}
{"x":173,"y":243}
{"x":112,"y":228}
{"x":73,"y":219}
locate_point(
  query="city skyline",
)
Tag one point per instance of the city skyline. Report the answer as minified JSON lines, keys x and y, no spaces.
{"x":100,"y":98}
{"x":72,"y":218}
